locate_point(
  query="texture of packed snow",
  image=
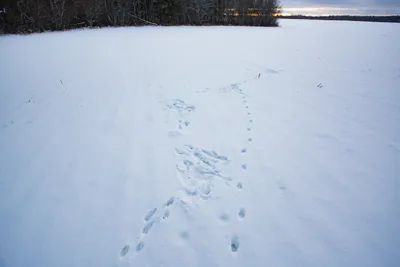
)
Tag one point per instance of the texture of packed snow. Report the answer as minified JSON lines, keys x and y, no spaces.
{"x":201,"y":146}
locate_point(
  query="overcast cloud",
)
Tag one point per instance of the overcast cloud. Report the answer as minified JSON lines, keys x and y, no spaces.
{"x":345,"y":2}
{"x":337,"y":7}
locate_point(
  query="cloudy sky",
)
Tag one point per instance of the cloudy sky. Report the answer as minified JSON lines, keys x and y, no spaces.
{"x":340,"y":7}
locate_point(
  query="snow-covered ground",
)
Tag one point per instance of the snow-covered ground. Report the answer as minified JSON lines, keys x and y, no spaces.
{"x":201,"y":146}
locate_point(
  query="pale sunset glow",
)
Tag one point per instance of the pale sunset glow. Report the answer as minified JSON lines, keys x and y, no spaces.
{"x":340,"y":7}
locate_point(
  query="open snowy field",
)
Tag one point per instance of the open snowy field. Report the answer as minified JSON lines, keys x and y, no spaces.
{"x":201,"y":146}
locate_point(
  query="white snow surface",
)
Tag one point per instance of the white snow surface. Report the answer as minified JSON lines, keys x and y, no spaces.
{"x":201,"y":146}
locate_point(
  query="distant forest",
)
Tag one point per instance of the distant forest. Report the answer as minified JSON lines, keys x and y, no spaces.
{"x":393,"y":19}
{"x":27,"y":16}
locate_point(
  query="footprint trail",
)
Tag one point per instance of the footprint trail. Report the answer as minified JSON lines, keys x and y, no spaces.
{"x":198,"y":170}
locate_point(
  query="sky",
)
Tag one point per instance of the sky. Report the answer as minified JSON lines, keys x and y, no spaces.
{"x":341,"y":7}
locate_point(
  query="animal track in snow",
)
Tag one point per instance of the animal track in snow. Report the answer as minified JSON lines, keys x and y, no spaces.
{"x":180,"y":151}
{"x":147,"y":227}
{"x":139,"y":246}
{"x":166,"y":214}
{"x":239,"y":186}
{"x":180,"y":106}
{"x":234,"y":243}
{"x":153,"y":216}
{"x":124,"y":250}
{"x":170,"y":201}
{"x":249,"y":129}
{"x":244,"y":166}
{"x":150,"y":214}
{"x":244,"y":150}
{"x":182,"y":123}
{"x":224,"y":217}
{"x":214,"y":155}
{"x":250,"y":139}
{"x":242,"y":213}
{"x":234,"y":86}
{"x":188,"y":163}
{"x":199,"y":169}
{"x":281,"y":186}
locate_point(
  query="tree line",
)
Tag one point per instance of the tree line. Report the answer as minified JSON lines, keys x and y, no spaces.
{"x":26,"y":16}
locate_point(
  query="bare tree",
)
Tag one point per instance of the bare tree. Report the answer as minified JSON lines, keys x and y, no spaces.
{"x":93,"y":10}
{"x":117,"y":11}
{"x":33,"y":15}
{"x":41,"y":15}
{"x":57,"y":8}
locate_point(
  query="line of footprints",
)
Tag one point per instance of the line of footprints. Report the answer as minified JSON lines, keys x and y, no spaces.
{"x":157,"y":215}
{"x":239,"y":185}
{"x":204,"y":166}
